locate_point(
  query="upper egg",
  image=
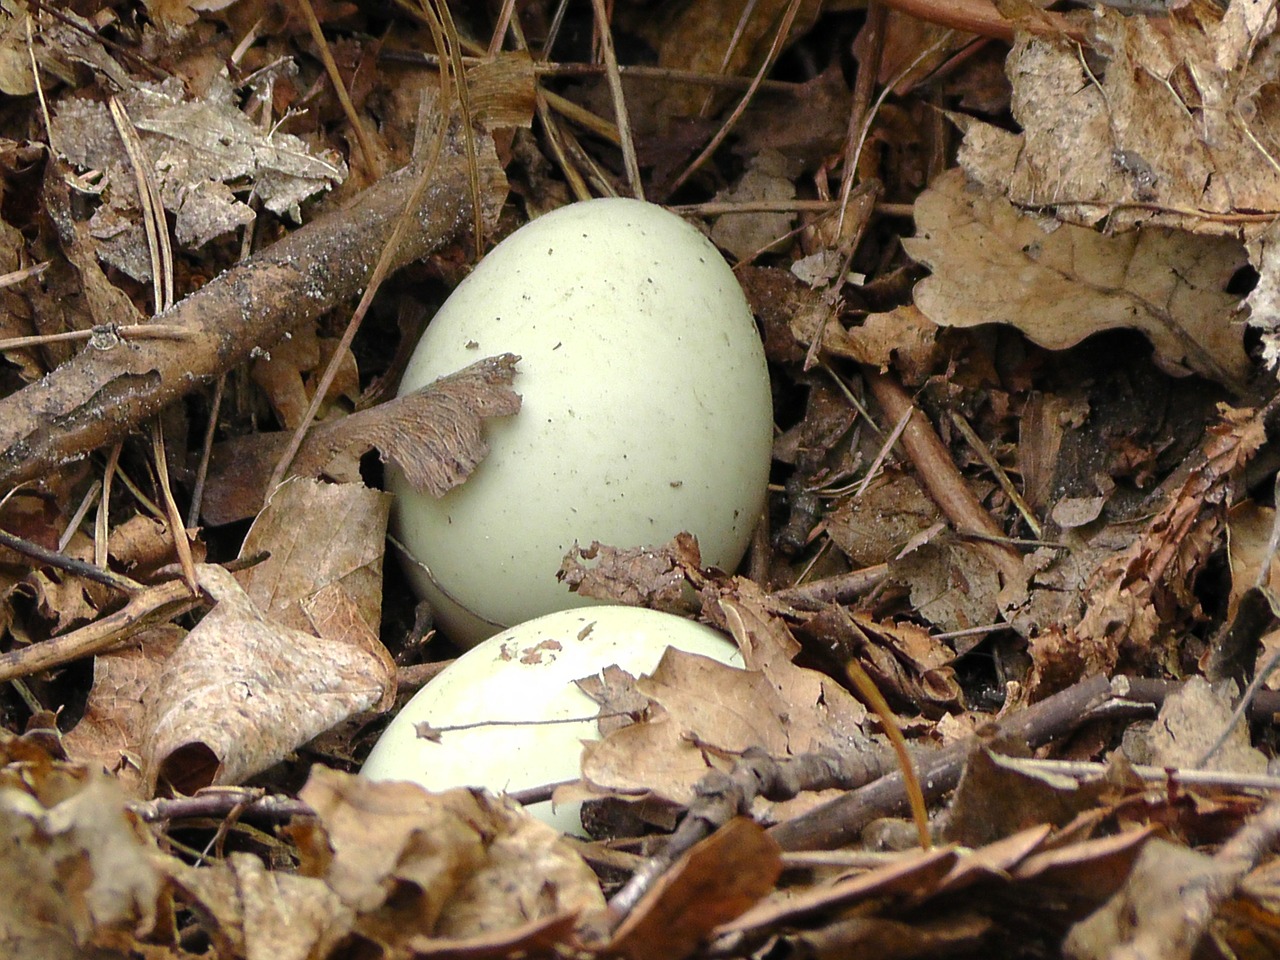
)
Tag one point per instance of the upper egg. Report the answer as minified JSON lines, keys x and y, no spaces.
{"x":646,"y":411}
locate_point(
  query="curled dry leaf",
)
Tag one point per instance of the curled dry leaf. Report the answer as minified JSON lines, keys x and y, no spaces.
{"x":251,"y":911}
{"x":416,"y":866}
{"x":78,"y":871}
{"x":712,"y":884}
{"x":242,"y":691}
{"x":434,"y":435}
{"x":994,"y":264}
{"x":651,"y":577}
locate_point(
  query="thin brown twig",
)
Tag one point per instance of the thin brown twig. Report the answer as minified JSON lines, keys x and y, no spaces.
{"x":984,"y":453}
{"x":206,"y":453}
{"x":844,"y":588}
{"x":871,"y":41}
{"x":735,"y":41}
{"x":220,"y":802}
{"x":547,"y":68}
{"x":149,"y":606}
{"x":941,"y":478}
{"x":81,"y":568}
{"x":983,"y":18}
{"x":841,"y":820}
{"x":103,"y":336}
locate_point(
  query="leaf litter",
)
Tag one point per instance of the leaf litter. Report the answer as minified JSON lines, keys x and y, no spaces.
{"x":1018,"y":291}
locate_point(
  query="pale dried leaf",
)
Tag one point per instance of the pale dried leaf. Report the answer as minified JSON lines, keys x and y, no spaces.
{"x":651,"y":577}
{"x":1174,"y":127}
{"x":110,"y":733}
{"x":77,"y":871}
{"x":199,"y":148}
{"x":992,"y":264}
{"x":319,"y":536}
{"x":260,"y":914}
{"x":456,"y":865}
{"x":1190,"y":721}
{"x":242,"y":691}
{"x":435,"y":435}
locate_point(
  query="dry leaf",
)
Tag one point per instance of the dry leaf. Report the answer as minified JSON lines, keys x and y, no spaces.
{"x":319,"y":536}
{"x":651,"y":577}
{"x":78,"y":872}
{"x":252,"y":912}
{"x":711,"y":884}
{"x":767,"y":179}
{"x":992,"y":264}
{"x":823,"y":714}
{"x":199,"y":148}
{"x":914,"y":874}
{"x":1190,"y":721}
{"x":416,"y":866}
{"x":110,"y":733}
{"x":434,"y":435}
{"x":706,"y":712}
{"x":242,"y":691}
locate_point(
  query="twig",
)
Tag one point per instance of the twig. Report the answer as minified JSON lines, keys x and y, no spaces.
{"x":1089,"y":770}
{"x":206,"y":454}
{"x":220,"y":802}
{"x":841,"y":820}
{"x":1002,"y":477}
{"x":59,"y":561}
{"x":939,"y":473}
{"x":150,"y":606}
{"x":102,"y":337}
{"x":839,"y":589}
{"x":720,"y":796}
{"x":549,"y":68}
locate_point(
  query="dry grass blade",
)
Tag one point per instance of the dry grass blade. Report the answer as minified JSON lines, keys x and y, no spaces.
{"x":605,"y":37}
{"x":153,"y":217}
{"x":911,"y":781}
{"x":452,"y":45}
{"x":779,"y":38}
{"x":382,"y":268}
{"x":340,"y":89}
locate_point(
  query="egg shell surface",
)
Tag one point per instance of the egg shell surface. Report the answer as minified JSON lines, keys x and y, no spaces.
{"x":527,"y":674}
{"x":646,"y":411}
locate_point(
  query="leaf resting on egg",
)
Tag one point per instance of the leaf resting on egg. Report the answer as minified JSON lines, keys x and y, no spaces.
{"x":435,"y":435}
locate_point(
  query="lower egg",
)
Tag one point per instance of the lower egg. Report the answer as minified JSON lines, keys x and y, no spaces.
{"x":506,"y":691}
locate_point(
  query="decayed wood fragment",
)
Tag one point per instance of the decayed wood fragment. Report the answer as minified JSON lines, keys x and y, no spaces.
{"x":100,"y":395}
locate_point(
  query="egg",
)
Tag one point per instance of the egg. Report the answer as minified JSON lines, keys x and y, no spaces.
{"x":526,"y":676}
{"x":646,"y":411}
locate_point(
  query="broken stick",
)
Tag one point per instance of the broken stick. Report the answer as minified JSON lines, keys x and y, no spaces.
{"x":100,"y":395}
